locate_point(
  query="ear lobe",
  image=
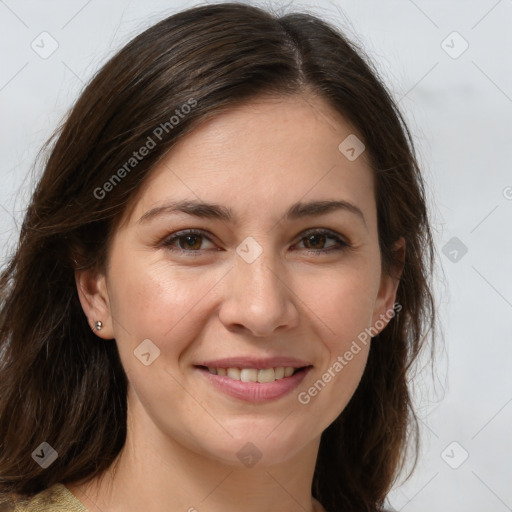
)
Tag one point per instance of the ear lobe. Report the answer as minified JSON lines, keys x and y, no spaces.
{"x":93,"y":295}
{"x":384,"y":305}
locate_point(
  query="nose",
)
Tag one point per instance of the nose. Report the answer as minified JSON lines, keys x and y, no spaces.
{"x":258,"y":298}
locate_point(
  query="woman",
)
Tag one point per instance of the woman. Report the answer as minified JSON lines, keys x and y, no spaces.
{"x":221,"y":281}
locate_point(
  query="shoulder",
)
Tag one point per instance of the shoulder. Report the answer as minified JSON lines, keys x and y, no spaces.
{"x":56,"y":498}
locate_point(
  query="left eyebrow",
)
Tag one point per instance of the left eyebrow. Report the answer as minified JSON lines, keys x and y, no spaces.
{"x":216,"y":211}
{"x":317,"y":208}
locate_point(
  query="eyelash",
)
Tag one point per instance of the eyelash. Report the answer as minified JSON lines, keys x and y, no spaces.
{"x":342,"y":245}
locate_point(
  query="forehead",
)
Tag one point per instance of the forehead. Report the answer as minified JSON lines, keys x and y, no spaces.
{"x":262,"y":156}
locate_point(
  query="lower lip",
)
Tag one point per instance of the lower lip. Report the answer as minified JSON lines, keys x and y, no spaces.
{"x":256,"y":391}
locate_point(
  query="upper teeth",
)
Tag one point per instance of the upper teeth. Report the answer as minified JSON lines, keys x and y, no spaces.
{"x":253,"y":374}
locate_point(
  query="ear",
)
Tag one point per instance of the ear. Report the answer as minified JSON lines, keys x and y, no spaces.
{"x":384,"y":304}
{"x":93,"y":294}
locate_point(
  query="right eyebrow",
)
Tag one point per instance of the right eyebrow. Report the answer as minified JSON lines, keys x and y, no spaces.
{"x":196,"y":208}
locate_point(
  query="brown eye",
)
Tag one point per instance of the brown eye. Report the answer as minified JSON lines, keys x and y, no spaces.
{"x":315,"y":241}
{"x":189,"y":241}
{"x":186,"y":241}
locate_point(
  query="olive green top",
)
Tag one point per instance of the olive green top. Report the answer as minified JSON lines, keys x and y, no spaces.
{"x":57,"y":498}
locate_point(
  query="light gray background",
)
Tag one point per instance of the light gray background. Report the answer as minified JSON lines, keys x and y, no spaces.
{"x":460,"y":112}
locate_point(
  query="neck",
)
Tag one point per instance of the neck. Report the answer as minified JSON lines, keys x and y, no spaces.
{"x":156,"y":473}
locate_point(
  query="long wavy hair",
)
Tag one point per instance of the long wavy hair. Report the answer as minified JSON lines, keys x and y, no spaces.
{"x":58,"y":384}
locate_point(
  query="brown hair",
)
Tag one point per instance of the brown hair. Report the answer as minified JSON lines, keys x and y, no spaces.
{"x":58,"y":384}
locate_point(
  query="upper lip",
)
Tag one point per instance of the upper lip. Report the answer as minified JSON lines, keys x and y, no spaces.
{"x":253,"y":362}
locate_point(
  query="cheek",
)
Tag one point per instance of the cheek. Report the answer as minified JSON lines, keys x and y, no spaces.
{"x":331,"y":391}
{"x":327,"y":391}
{"x":340,"y":301}
{"x":154,"y":300}
{"x":160,"y":303}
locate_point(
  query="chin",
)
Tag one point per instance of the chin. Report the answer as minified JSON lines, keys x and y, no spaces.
{"x":263,"y":448}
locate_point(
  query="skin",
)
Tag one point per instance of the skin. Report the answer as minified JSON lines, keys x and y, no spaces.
{"x":183,"y":434}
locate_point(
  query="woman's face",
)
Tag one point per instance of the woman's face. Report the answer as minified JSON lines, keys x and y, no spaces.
{"x":270,"y":277}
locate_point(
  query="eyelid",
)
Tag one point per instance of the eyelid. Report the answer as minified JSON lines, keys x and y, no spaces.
{"x":340,"y":239}
{"x":166,"y":242}
{"x":324,"y":231}
{"x":341,"y":244}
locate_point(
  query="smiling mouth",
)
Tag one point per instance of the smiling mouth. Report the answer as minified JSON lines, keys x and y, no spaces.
{"x":261,"y":376}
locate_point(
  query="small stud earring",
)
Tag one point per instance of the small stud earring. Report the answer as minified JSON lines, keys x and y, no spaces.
{"x":98,"y":325}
